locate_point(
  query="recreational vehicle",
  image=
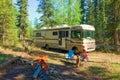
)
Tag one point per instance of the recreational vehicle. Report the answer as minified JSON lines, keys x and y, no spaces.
{"x":66,"y":37}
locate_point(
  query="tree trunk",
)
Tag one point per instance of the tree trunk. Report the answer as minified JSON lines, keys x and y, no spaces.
{"x":21,"y":34}
{"x":116,"y":40}
{"x":116,"y":22}
{"x":3,"y":31}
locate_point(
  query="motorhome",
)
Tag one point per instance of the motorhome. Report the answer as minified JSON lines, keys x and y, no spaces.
{"x":66,"y":37}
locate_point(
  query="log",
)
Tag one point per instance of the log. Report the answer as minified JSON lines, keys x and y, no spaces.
{"x":9,"y":61}
{"x":25,"y":61}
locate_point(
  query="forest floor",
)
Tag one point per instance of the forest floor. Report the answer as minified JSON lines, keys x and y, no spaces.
{"x":101,"y":66}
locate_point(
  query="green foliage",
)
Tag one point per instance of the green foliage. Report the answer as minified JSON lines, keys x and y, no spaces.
{"x":90,"y":14}
{"x":116,"y":75}
{"x":74,"y":12}
{"x":7,"y":23}
{"x":100,"y":14}
{"x":113,"y":8}
{"x":29,"y":31}
{"x":83,"y":9}
{"x":60,"y":12}
{"x":77,"y":16}
{"x":22,"y":18}
{"x":46,"y":8}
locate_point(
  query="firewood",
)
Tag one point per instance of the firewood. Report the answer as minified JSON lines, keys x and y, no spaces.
{"x":9,"y":61}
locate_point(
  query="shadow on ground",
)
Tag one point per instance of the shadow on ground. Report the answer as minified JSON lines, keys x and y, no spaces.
{"x":58,"y":71}
{"x":4,"y":57}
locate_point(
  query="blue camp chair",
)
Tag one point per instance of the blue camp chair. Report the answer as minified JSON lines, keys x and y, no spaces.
{"x":70,"y":54}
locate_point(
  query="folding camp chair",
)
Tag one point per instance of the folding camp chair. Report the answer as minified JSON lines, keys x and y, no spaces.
{"x":70,"y":55}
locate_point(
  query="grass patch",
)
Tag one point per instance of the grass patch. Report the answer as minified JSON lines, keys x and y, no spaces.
{"x":116,"y":68}
{"x":115,"y":77}
{"x":98,"y":71}
{"x":5,"y":57}
{"x":116,"y":74}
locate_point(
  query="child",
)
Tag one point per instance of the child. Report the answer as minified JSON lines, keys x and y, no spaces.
{"x":81,"y":57}
{"x":78,"y":58}
{"x":84,"y":56}
{"x":78,"y":61}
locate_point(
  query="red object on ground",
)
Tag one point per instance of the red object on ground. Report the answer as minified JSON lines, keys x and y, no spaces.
{"x":42,"y":60}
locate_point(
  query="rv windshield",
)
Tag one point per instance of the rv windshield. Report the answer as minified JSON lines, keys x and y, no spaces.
{"x":82,"y":34}
{"x":76,"y":34}
{"x":88,"y":34}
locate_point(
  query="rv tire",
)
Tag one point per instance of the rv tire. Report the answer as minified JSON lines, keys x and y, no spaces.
{"x":46,"y":46}
{"x":75,"y":50}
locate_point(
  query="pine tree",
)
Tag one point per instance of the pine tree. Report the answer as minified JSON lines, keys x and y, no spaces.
{"x":115,"y":6}
{"x":60,"y":12}
{"x":90,"y":19}
{"x":8,"y":23}
{"x":76,"y":13}
{"x":63,"y":12}
{"x":83,"y":9}
{"x":69,"y":18}
{"x":45,"y":7}
{"x":100,"y":20}
{"x":22,"y":18}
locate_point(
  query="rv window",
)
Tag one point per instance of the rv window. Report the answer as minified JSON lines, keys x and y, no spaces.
{"x":88,"y":34}
{"x":67,"y":34}
{"x":63,"y":33}
{"x":54,"y":33}
{"x":76,"y":34}
{"x":38,"y":35}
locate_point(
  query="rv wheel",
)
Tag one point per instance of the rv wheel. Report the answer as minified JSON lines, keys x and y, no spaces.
{"x":46,"y":46}
{"x":75,"y":50}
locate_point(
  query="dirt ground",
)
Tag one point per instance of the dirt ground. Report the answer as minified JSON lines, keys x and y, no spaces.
{"x":99,"y":67}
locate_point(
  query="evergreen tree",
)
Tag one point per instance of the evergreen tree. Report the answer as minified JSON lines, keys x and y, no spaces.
{"x":83,"y":10}
{"x":69,"y":18}
{"x":60,"y":12}
{"x":8,"y":23}
{"x":22,"y":18}
{"x":63,"y":12}
{"x":76,"y":13}
{"x":29,"y":30}
{"x":114,"y":6}
{"x":45,"y":7}
{"x":105,"y":23}
{"x":101,"y":21}
{"x":90,"y":19}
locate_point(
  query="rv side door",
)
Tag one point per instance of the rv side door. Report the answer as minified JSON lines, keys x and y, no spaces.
{"x":62,"y":38}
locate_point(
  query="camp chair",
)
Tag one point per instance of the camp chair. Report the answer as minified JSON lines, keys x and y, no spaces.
{"x":70,"y":54}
